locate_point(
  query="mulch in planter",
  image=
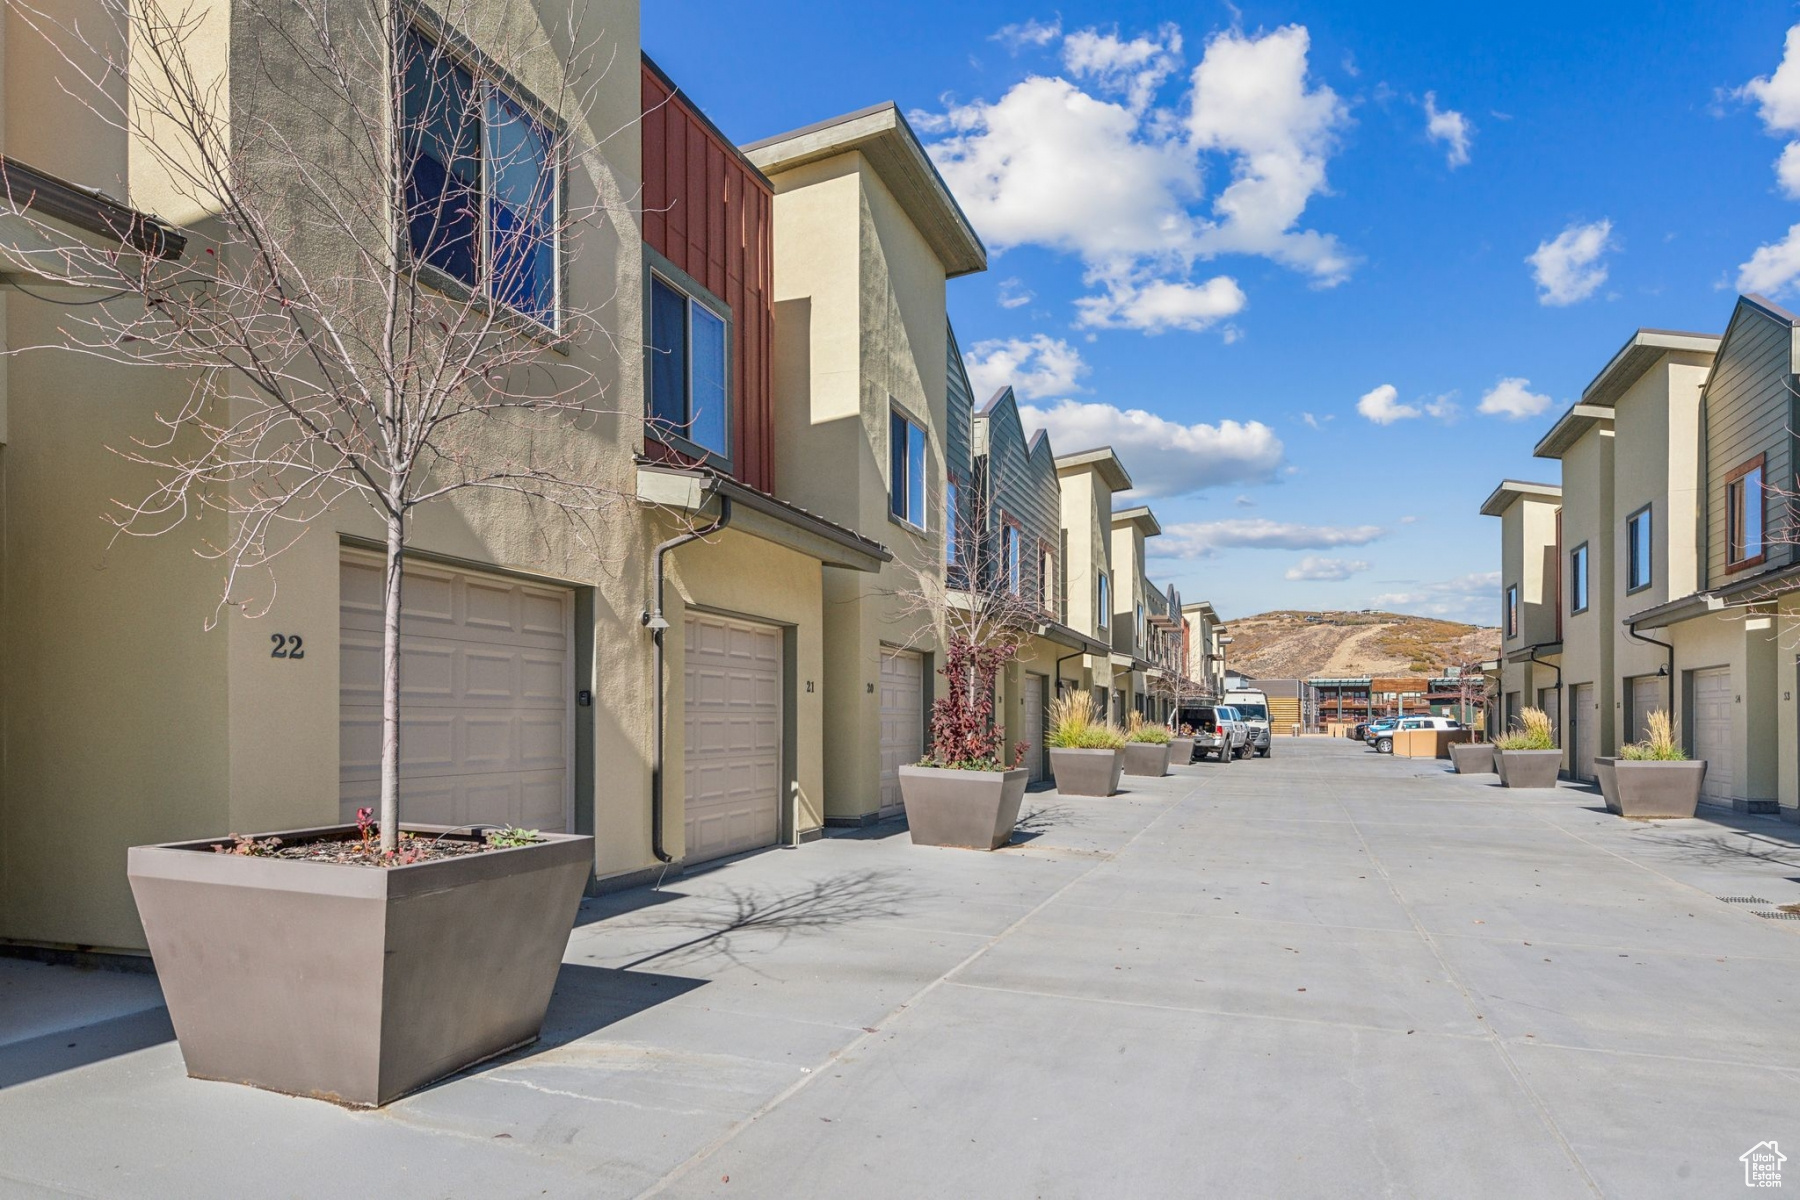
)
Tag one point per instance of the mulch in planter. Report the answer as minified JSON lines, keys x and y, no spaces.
{"x":359,"y":851}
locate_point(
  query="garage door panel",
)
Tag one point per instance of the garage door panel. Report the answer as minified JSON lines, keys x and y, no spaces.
{"x":489,"y":606}
{"x":1033,"y":721}
{"x":1712,"y":730}
{"x":541,"y":680}
{"x":902,"y":722}
{"x":540,"y":612}
{"x":427,"y":597}
{"x":427,"y":672}
{"x":732,"y":767}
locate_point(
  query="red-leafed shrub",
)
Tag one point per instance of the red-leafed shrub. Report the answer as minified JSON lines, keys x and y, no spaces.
{"x":964,"y":736}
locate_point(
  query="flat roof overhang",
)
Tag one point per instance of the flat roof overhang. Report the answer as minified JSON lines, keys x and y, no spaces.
{"x":695,"y":490}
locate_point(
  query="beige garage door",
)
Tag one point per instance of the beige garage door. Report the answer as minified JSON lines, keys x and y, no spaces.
{"x":733,"y":755}
{"x":1712,"y":729}
{"x":1646,"y":697}
{"x":487,"y":686}
{"x":1032,"y":724}
{"x":902,"y":722}
{"x":1582,"y":697}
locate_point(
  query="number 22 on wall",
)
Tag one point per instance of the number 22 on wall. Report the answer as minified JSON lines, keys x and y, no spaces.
{"x":287,"y":645}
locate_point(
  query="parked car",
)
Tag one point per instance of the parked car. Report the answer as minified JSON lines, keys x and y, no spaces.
{"x":1218,"y":731}
{"x":1384,"y":741}
{"x":1253,"y":706}
{"x":1377,"y":727}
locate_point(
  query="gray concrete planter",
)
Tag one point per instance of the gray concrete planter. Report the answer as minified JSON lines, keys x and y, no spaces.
{"x":1181,"y":751}
{"x":1472,"y":758}
{"x":1528,"y":768}
{"x":1644,"y":790}
{"x":974,"y":809}
{"x":1087,"y":772}
{"x":355,"y":984}
{"x":1147,"y":758}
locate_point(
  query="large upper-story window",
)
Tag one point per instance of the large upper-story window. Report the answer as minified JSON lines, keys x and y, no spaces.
{"x":1744,"y":514}
{"x":1578,"y":579}
{"x":906,"y":469}
{"x":1512,"y":611}
{"x":482,"y":184}
{"x":1637,"y":549}
{"x":689,"y":384}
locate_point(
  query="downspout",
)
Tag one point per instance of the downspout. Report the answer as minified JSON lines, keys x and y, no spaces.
{"x":1631,"y":628}
{"x":657,"y":625}
{"x":1561,"y":708}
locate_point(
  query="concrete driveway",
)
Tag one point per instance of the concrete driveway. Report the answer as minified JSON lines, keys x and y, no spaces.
{"x":1324,"y":974}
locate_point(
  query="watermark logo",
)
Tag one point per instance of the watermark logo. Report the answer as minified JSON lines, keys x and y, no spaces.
{"x":1762,"y":1165}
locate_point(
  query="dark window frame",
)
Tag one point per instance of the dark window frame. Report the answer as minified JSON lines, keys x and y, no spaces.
{"x":658,"y":269}
{"x":1103,"y":591}
{"x":1512,"y":610}
{"x":1736,"y":496}
{"x":1648,"y":514}
{"x":901,"y":488}
{"x":1580,"y":581}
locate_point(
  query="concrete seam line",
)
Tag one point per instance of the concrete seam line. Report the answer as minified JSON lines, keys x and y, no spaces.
{"x":677,"y":1172}
{"x":1493,"y":1038}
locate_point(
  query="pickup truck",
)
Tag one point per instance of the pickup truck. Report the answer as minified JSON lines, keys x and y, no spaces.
{"x":1218,"y":731}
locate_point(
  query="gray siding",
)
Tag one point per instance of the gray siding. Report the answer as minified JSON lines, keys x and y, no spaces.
{"x":1018,"y":475}
{"x":959,"y":415}
{"x":1748,"y":411}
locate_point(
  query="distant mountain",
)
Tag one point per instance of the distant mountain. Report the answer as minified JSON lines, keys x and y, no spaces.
{"x":1290,"y":644}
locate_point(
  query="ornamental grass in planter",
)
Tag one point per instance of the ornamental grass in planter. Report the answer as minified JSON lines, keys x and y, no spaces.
{"x":1086,"y":756}
{"x":1146,"y":748}
{"x":962,"y":793}
{"x":1653,"y":778}
{"x":1528,"y":757}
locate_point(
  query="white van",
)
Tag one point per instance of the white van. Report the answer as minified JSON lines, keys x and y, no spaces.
{"x":1253,"y":708}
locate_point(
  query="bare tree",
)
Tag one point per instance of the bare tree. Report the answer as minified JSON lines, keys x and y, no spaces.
{"x":371,"y":306}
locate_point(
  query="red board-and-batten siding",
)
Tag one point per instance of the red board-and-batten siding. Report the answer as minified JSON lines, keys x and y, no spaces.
{"x":712,"y":214}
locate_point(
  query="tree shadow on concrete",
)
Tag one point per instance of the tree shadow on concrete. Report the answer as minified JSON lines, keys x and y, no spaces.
{"x":1727,"y":847}
{"x":725,"y":925}
{"x":1035,"y":822}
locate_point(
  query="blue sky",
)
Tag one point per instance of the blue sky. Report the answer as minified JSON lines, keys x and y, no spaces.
{"x":1223,"y":256}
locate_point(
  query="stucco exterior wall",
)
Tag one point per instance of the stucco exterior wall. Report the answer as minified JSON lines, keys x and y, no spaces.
{"x":1589,"y":635}
{"x":1528,"y":557}
{"x":1749,"y":645}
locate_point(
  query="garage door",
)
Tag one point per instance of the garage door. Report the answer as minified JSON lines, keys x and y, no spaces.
{"x":1646,"y":697}
{"x":1712,"y":729}
{"x":733,"y":722}
{"x":1583,"y":700}
{"x":487,"y":726}
{"x":902,"y":722}
{"x":1032,"y":724}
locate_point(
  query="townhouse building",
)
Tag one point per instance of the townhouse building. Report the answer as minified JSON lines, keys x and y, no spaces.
{"x":1530,"y":606}
{"x":1088,"y":480}
{"x":1205,"y":654}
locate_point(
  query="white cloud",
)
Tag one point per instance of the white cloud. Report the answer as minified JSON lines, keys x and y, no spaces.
{"x":1204,"y":538}
{"x":1120,"y":184}
{"x":1161,"y":305}
{"x":1014,"y":294}
{"x":1513,"y":398}
{"x":1316,"y":422}
{"x":1773,"y":268}
{"x":1567,"y":268}
{"x":1380,"y":406}
{"x":1451,"y":128}
{"x":1777,"y":100}
{"x":1474,"y":598}
{"x":1165,"y":458}
{"x":1251,"y":101}
{"x":1444,"y":408}
{"x":1137,"y":67}
{"x":1315,"y":568}
{"x":1036,"y":367}
{"x":1021,"y":34}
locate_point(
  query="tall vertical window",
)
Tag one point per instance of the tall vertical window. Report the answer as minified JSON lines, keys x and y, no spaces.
{"x":688,"y":387}
{"x":906,"y":469}
{"x":1744,"y":514}
{"x":1140,"y":625}
{"x":482,"y":184}
{"x":1105,"y":600}
{"x":1637,"y":549}
{"x":952,"y":524}
{"x":1512,"y":611}
{"x":1578,"y":579}
{"x":1046,"y":579}
{"x":1009,"y":558}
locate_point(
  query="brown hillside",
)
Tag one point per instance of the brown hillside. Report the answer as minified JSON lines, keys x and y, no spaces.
{"x":1297,"y":645}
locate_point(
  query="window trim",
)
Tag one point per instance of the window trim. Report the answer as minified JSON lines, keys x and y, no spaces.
{"x":488,"y":75}
{"x":952,"y":523}
{"x":1103,"y":591}
{"x":1012,"y":557}
{"x":1512,"y":610}
{"x":1630,"y":547}
{"x":894,"y":410}
{"x":1732,"y":481}
{"x":1582,"y":580}
{"x":1046,"y":577}
{"x":657,"y":266}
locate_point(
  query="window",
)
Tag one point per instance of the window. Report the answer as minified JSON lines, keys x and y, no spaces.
{"x":1512,"y":611}
{"x":1744,"y":514}
{"x":1140,"y":624}
{"x":1105,"y":601}
{"x":1009,"y":559}
{"x":952,"y":524}
{"x":482,"y":184}
{"x":906,"y":469}
{"x":687,"y":368}
{"x":1578,"y":579}
{"x":1637,"y":550}
{"x":1046,"y":578}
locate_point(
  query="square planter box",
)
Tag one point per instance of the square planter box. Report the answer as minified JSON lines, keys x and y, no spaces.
{"x":1473,"y":758}
{"x":1650,"y":789}
{"x":1147,"y":758}
{"x":974,"y":809}
{"x":1528,"y":768}
{"x":355,"y":984}
{"x":1087,"y":772}
{"x":1181,"y":751}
